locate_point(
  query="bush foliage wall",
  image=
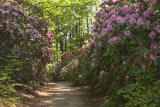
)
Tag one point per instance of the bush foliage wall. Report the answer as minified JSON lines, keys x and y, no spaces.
{"x":24,"y":46}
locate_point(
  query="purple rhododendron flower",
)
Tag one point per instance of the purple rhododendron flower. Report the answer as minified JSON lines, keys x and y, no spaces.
{"x":153,"y":56}
{"x":115,"y":1}
{"x":158,"y":28}
{"x":113,"y":39}
{"x":112,"y":12}
{"x":127,"y":32}
{"x":127,"y":9}
{"x":114,"y":17}
{"x":152,"y":34}
{"x":104,"y":31}
{"x":109,"y":22}
{"x":93,"y":41}
{"x":135,"y":15}
{"x":107,"y":9}
{"x":49,"y":36}
{"x":140,"y":21}
{"x":154,"y":45}
{"x":148,"y":12}
{"x":120,"y":19}
{"x":132,"y":21}
{"x":2,"y":11}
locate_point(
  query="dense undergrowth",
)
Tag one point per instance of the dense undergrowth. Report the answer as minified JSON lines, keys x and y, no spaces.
{"x":24,"y":48}
{"x":122,"y":60}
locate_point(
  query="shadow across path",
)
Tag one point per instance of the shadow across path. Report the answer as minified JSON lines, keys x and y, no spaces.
{"x":63,"y":94}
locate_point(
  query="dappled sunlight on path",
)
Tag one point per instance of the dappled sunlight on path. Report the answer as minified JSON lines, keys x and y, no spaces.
{"x":62,"y":94}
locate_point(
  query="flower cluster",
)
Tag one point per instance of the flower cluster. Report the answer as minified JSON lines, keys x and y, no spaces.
{"x":118,"y":19}
{"x":23,"y":37}
{"x":17,"y":26}
{"x":49,"y":36}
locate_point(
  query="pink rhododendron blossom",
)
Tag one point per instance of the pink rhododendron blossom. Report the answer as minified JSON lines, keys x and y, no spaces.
{"x":93,"y":41}
{"x":112,"y":12}
{"x":154,"y":45}
{"x":127,"y":32}
{"x":148,"y":12}
{"x":135,"y":15}
{"x":106,"y":16}
{"x":109,"y":22}
{"x":49,"y":36}
{"x":127,"y":9}
{"x":113,"y":39}
{"x":153,"y":56}
{"x":152,"y":34}
{"x":1,"y":11}
{"x":104,"y":31}
{"x":132,"y":21}
{"x":140,"y":21}
{"x":107,"y":9}
{"x":120,"y":19}
{"x":114,"y":1}
{"x":114,"y":17}
{"x":158,"y":28}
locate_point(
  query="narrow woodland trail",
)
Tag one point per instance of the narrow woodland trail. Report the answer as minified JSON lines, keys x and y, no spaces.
{"x":62,"y":94}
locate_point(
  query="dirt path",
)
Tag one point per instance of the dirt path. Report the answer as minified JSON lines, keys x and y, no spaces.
{"x":62,"y":94}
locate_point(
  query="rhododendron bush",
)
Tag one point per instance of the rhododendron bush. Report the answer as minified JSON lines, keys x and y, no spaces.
{"x":124,"y":56}
{"x":127,"y":44}
{"x":131,"y":30}
{"x":24,"y":44}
